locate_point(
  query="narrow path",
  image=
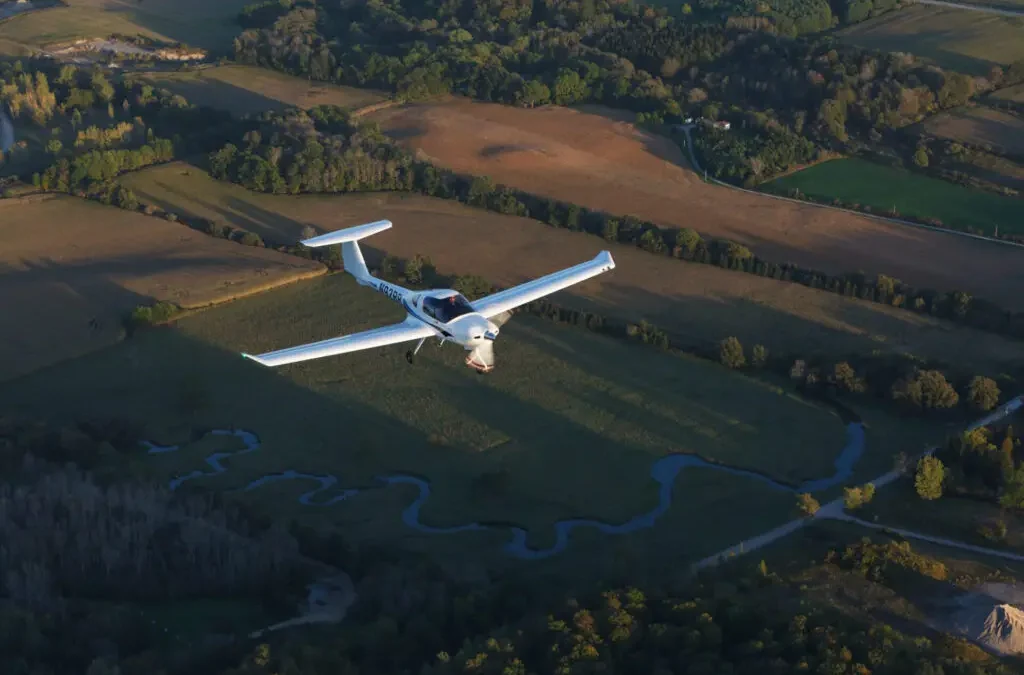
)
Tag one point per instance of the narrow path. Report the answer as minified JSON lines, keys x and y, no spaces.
{"x":974,"y":8}
{"x":894,"y":221}
{"x":834,"y":510}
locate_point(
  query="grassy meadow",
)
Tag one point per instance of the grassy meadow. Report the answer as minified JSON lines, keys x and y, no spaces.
{"x":963,"y":40}
{"x":883,"y":188}
{"x":508,"y":250}
{"x":566,"y":426}
{"x":248,"y":89}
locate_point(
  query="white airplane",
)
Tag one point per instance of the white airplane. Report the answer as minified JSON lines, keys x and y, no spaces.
{"x":441,"y":313}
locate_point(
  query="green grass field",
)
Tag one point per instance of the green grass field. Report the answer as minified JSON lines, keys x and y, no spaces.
{"x":567,"y":425}
{"x":883,"y":188}
{"x":964,"y":40}
{"x":1015,"y":93}
{"x":247,"y":89}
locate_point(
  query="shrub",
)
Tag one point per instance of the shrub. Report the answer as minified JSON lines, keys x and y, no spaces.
{"x":730,"y":353}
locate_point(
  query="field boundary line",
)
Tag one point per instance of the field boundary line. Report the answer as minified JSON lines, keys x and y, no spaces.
{"x":893,"y":221}
{"x":987,"y":9}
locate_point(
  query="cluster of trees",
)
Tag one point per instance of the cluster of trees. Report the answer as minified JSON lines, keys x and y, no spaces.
{"x":981,"y":463}
{"x":323,"y":150}
{"x":750,"y":626}
{"x":776,"y":89}
{"x":81,"y":550}
{"x":98,"y":128}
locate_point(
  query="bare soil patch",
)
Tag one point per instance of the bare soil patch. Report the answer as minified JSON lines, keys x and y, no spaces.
{"x":71,"y":269}
{"x":588,"y":158}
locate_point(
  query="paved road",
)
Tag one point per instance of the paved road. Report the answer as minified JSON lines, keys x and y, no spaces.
{"x":895,"y":221}
{"x":834,"y":510}
{"x":975,"y":8}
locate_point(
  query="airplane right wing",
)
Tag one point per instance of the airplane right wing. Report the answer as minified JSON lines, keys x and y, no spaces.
{"x":376,"y":337}
{"x":510,"y":298}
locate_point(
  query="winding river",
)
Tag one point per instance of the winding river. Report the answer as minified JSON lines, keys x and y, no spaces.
{"x":664,"y":472}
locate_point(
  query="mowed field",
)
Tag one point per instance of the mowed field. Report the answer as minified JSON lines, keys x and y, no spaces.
{"x":856,"y":181}
{"x":963,"y":40}
{"x":566,"y":426}
{"x":1015,"y":93}
{"x":599,"y":162}
{"x":199,"y":23}
{"x":247,"y":89}
{"x":70,"y":270}
{"x":698,"y":302}
{"x":982,"y":126}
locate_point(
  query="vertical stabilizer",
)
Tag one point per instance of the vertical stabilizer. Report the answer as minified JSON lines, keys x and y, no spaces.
{"x":349,"y":238}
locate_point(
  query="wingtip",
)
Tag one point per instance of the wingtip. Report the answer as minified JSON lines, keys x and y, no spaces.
{"x":606,"y":257}
{"x":253,"y":358}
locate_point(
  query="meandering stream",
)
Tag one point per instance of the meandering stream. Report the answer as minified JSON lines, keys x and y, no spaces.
{"x":664,"y":472}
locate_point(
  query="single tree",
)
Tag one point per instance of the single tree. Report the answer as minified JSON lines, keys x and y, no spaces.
{"x":807,"y":504}
{"x":731,"y":353}
{"x":931,"y":474}
{"x":759,"y":356}
{"x":983,"y":393}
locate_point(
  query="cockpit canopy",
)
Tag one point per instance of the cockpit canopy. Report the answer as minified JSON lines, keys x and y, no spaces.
{"x":448,"y":308}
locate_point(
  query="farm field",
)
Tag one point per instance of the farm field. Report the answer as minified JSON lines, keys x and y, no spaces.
{"x":882,"y":188}
{"x":507,"y":250}
{"x":208,"y":25}
{"x":248,"y":89}
{"x":568,"y":425}
{"x":964,"y":40}
{"x":982,"y":126}
{"x":1015,"y":93}
{"x":65,"y":262}
{"x":603,"y":163}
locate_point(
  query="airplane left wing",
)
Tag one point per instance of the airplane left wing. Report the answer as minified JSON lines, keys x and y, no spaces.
{"x":377,"y":337}
{"x":510,"y":298}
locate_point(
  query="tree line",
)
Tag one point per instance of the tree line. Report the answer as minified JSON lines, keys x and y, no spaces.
{"x":324,"y":151}
{"x":776,"y":90}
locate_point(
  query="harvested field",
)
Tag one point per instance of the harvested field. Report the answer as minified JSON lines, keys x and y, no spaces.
{"x":960,"y":39}
{"x":198,"y":23}
{"x":247,"y":89}
{"x":981,"y":126}
{"x":602,"y":163}
{"x":1015,"y":93}
{"x":700,"y":302}
{"x":71,"y":269}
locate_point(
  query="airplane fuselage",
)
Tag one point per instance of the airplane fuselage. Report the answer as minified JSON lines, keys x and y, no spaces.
{"x":468,"y":327}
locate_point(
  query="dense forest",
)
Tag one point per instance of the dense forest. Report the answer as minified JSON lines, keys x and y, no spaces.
{"x":323,"y":150}
{"x":788,"y":99}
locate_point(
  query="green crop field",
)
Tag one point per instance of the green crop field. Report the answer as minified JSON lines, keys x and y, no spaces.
{"x":566,"y":426}
{"x":246,"y":89}
{"x":855,"y":181}
{"x":964,"y":40}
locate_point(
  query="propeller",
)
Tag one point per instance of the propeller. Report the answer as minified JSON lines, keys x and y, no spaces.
{"x":482,"y":357}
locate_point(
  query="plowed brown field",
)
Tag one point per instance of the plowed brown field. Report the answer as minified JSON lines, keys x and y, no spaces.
{"x":594,"y":159}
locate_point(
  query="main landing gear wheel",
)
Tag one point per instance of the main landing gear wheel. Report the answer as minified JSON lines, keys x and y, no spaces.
{"x":409,"y":356}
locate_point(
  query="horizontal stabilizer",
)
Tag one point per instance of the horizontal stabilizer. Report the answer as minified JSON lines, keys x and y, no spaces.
{"x":348,"y":234}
